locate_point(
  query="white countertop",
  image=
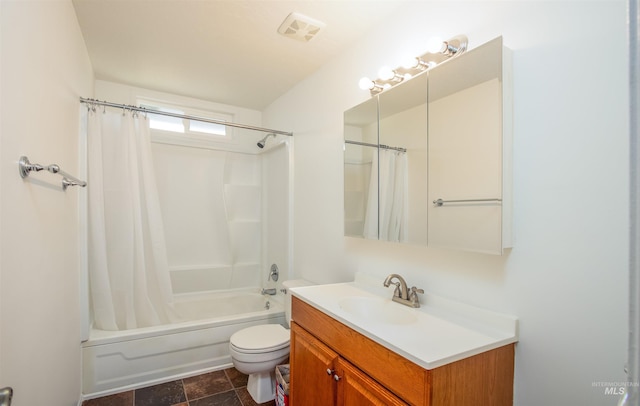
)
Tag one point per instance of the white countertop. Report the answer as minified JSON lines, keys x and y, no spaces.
{"x":438,"y":333}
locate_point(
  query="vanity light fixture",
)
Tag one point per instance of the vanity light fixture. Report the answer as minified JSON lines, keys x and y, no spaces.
{"x":435,"y":45}
{"x":390,"y":75}
{"x":417,"y":64}
{"x":451,"y":50}
{"x":437,"y":51}
{"x":368,"y":84}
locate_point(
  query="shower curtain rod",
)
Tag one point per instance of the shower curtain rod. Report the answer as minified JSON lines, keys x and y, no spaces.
{"x":367,"y":144}
{"x":183,"y":116}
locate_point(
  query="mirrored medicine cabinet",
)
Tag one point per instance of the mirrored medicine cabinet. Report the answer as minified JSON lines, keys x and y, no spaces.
{"x":428,"y":161}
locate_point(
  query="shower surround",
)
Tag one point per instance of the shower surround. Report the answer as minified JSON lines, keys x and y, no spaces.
{"x":225,"y":218}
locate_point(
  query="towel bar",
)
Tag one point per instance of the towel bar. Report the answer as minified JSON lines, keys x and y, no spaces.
{"x":25,"y":167}
{"x":440,"y":202}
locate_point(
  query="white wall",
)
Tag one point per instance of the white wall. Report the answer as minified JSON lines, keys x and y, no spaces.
{"x":566,"y":277}
{"x":45,"y":68}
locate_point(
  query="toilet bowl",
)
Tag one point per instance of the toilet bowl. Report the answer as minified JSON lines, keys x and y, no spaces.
{"x":257,"y":350}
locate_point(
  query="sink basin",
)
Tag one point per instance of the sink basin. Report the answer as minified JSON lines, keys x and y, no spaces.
{"x":377,"y":310}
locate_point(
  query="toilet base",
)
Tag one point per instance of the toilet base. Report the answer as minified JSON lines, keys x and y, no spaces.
{"x":261,"y":386}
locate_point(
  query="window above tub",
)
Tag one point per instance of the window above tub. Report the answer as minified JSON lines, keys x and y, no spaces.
{"x":184,"y":131}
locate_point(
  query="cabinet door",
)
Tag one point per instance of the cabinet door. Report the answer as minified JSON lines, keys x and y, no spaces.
{"x":469,"y":170}
{"x":356,"y":388}
{"x":311,"y":384}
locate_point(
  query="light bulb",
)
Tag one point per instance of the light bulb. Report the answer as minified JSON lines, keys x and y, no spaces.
{"x":386,"y":73}
{"x":435,"y":45}
{"x":366,"y":84}
{"x":411,"y":63}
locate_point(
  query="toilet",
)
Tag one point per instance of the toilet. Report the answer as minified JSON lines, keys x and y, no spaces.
{"x":257,"y":350}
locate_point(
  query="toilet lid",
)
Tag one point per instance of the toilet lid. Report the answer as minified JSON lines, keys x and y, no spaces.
{"x":263,"y":337}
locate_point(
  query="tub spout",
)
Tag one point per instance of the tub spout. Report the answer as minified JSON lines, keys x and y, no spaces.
{"x":270,"y":292}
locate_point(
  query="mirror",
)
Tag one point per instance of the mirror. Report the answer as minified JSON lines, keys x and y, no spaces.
{"x":440,"y":135}
{"x":402,"y":162}
{"x":385,"y":165}
{"x":360,"y":155}
{"x":467,"y":175}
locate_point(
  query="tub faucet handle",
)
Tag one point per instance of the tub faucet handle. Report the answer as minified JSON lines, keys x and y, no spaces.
{"x":273,"y":273}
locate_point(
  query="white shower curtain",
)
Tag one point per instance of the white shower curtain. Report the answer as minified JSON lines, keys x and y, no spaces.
{"x":128,"y":269}
{"x":387,"y":209}
{"x":371,"y":214}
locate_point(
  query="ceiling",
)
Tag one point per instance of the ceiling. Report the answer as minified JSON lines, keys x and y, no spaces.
{"x":226,"y":51}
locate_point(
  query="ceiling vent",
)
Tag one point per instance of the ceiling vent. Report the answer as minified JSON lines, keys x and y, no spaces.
{"x":300,"y":27}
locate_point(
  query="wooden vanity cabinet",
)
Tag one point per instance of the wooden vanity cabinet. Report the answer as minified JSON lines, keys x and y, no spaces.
{"x":357,"y":388}
{"x":327,"y":379}
{"x":332,"y":364}
{"x":315,"y":362}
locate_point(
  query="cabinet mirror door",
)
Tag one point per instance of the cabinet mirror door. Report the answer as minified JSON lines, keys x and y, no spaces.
{"x":360,"y":170}
{"x":402,"y":162}
{"x":466,"y":152}
{"x":428,"y":161}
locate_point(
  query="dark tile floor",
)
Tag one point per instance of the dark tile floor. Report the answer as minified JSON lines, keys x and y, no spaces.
{"x":219,"y":388}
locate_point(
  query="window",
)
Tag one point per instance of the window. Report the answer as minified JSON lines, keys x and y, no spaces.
{"x":190,"y":129}
{"x":208,"y":128}
{"x":165,"y":123}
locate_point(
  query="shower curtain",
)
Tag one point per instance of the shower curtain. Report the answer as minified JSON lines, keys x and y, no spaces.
{"x":387,"y":211}
{"x":129,"y":280}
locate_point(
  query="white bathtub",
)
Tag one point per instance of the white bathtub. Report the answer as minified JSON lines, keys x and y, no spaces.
{"x":114,"y":361}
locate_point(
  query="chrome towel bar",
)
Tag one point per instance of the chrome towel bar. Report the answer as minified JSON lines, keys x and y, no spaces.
{"x":5,"y":396}
{"x":368,"y":144}
{"x":25,"y":167}
{"x":440,"y":202}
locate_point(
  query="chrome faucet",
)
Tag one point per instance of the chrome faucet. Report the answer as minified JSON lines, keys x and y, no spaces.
{"x":5,"y":396}
{"x":401,"y":286}
{"x":271,"y":291}
{"x":401,"y":294}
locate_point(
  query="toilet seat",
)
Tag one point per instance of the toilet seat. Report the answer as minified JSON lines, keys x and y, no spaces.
{"x":260,"y":339}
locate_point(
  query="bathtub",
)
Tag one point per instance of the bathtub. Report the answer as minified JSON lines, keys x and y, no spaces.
{"x":115,"y":361}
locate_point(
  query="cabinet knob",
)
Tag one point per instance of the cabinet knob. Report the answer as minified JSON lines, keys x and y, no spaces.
{"x":336,"y":377}
{"x":329,"y":371}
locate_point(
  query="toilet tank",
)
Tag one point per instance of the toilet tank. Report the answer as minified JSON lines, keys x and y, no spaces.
{"x":294,"y":283}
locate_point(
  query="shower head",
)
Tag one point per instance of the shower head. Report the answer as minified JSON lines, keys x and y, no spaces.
{"x":263,"y":141}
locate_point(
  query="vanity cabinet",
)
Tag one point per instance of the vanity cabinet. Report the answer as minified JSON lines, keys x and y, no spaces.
{"x":357,"y":388}
{"x":329,"y":379}
{"x":332,"y":364}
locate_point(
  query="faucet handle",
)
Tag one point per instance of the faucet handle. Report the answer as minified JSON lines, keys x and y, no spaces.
{"x":413,"y":296}
{"x":273,"y":273}
{"x":396,"y":291}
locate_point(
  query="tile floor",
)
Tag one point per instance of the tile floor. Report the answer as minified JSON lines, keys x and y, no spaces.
{"x":219,"y":388}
